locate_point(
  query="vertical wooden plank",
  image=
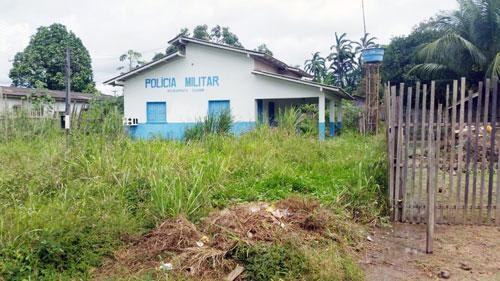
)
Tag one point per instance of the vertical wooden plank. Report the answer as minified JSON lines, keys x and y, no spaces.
{"x":476,"y":150}
{"x":492,"y":146}
{"x":484,"y":148}
{"x":444,"y":197}
{"x":407,"y":150}
{"x":451,"y":210}
{"x":399,"y":158}
{"x":388,"y":137}
{"x":460,"y":146}
{"x":468,"y":155}
{"x":392,"y":139}
{"x":422,"y":184}
{"x":436,"y":167}
{"x":430,"y":174}
{"x":414,"y":159}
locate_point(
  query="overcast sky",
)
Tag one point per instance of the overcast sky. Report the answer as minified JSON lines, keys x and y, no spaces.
{"x":292,"y":29}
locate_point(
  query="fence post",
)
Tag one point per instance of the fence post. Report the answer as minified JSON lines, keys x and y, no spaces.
{"x":430,"y":174}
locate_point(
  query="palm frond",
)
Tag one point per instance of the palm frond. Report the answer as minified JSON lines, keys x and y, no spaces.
{"x":494,"y":67}
{"x":450,"y":48}
{"x":430,"y":70}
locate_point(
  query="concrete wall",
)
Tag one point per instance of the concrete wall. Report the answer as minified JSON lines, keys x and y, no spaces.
{"x":186,"y":105}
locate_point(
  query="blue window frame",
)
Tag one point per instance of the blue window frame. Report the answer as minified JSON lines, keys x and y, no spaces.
{"x":216,"y":107}
{"x":156,"y":112}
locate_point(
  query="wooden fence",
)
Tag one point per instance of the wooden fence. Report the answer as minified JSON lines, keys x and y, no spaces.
{"x":443,"y":153}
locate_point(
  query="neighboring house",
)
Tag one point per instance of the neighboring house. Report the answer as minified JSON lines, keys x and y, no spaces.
{"x":169,"y":95}
{"x":14,"y":99}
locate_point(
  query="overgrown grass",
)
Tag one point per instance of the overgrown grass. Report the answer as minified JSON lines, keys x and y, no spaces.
{"x":62,"y":211}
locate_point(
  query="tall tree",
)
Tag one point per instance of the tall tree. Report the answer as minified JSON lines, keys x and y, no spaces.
{"x":365,"y":42}
{"x":399,"y":57}
{"x":264,"y":49}
{"x":132,"y":59}
{"x":343,"y":62}
{"x":316,"y":66}
{"x":469,"y":46}
{"x":201,"y":32}
{"x":42,"y":62}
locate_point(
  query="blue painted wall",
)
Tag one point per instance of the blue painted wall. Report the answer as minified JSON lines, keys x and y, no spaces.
{"x":176,"y":131}
{"x":321,"y":129}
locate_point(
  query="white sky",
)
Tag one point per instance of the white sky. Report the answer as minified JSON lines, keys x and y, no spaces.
{"x":292,"y":29}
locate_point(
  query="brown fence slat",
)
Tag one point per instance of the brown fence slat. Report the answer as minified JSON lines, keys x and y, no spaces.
{"x":468,"y":156}
{"x":414,"y":155}
{"x":392,"y":147}
{"x":430,"y":173}
{"x":460,"y":147}
{"x":399,"y":152}
{"x":492,"y":147}
{"x":422,"y":185}
{"x":444,"y":201}
{"x":452,"y":152}
{"x":437,"y":159}
{"x":406,"y":155}
{"x":476,"y":149}
{"x":484,"y":149}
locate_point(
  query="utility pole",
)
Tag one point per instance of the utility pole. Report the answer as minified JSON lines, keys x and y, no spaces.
{"x":364,"y":20}
{"x":67,"y":113}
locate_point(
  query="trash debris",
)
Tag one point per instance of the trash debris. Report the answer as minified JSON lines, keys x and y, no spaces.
{"x":465,"y":266}
{"x":166,"y":266}
{"x":235,"y":273}
{"x":200,"y":244}
{"x":369,"y":238}
{"x":444,"y":274}
{"x":204,"y":239}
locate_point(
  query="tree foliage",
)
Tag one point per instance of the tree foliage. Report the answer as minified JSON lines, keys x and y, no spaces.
{"x":342,"y":67}
{"x":264,"y":49}
{"x":42,"y":63}
{"x":399,"y":57}
{"x":132,"y":59}
{"x":468,"y":46}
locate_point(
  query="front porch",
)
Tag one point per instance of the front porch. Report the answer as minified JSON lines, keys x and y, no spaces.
{"x":268,"y":110}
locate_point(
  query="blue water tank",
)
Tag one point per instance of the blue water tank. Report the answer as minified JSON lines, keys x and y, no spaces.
{"x":372,"y":55}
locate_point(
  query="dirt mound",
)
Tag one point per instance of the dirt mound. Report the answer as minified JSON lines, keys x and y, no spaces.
{"x":203,"y":251}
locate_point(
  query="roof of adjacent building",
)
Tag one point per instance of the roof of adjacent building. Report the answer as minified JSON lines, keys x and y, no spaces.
{"x":16,"y":92}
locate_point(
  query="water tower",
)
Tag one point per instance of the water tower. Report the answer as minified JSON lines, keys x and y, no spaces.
{"x":372,"y":60}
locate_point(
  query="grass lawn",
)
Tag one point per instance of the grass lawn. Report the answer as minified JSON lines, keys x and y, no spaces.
{"x":63,"y":212}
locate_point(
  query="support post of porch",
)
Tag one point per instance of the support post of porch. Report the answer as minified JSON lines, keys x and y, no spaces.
{"x":332,"y":117}
{"x":339,"y":118}
{"x":321,"y":117}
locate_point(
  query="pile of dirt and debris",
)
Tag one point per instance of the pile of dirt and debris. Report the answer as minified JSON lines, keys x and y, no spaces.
{"x":204,"y":251}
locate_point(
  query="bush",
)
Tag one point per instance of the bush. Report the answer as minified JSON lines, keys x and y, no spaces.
{"x":272,"y":262}
{"x":213,"y":124}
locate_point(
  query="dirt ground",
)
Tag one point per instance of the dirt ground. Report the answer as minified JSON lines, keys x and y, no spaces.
{"x":465,"y":252}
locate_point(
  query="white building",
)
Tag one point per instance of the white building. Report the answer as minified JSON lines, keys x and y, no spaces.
{"x":15,"y":99}
{"x":173,"y":93}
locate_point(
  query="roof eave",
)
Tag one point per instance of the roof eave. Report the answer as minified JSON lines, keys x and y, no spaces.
{"x":338,"y":91}
{"x":118,"y":80}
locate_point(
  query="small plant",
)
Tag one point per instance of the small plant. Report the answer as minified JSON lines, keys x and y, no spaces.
{"x":213,"y":124}
{"x":272,"y":262}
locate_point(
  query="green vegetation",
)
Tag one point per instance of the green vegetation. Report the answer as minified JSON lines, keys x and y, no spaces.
{"x":41,"y":63}
{"x":63,"y":211}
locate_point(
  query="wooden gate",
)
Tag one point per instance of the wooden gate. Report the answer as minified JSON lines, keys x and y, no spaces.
{"x":443,"y":153}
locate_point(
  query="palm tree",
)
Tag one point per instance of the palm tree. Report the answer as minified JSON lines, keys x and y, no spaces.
{"x":365,"y":42}
{"x":133,"y":59}
{"x":316,"y":66}
{"x":469,"y":46}
{"x":344,"y":63}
